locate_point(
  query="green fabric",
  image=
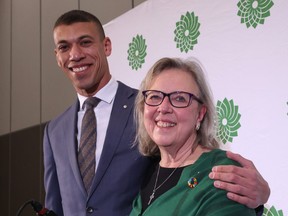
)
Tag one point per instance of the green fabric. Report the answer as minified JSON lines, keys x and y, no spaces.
{"x":203,"y":200}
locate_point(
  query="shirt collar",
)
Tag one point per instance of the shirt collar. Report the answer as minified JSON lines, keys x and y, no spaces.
{"x":106,"y":94}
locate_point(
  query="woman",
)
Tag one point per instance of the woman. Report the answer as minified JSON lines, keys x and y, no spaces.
{"x":175,"y":114}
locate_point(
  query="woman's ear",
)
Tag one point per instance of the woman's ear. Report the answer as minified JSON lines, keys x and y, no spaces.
{"x":201,"y":115}
{"x":202,"y":112}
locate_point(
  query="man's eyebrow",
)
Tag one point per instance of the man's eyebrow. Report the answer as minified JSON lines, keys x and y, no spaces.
{"x":61,"y":42}
{"x":85,"y":36}
{"x":78,"y":39}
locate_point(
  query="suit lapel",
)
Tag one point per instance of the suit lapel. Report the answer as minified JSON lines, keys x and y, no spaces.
{"x":122,"y":108}
{"x":70,"y":135}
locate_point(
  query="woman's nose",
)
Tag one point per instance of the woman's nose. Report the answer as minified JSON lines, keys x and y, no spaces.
{"x":165,"y":106}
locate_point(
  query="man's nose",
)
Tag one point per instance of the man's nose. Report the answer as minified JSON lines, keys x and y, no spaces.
{"x":76,"y":53}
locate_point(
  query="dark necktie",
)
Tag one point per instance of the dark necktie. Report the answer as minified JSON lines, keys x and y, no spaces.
{"x":87,"y":147}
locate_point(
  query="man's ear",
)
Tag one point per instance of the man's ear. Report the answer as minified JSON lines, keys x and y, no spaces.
{"x":56,"y":52}
{"x":107,"y":46}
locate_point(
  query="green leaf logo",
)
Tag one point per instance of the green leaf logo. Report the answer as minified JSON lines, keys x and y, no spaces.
{"x":187,"y":32}
{"x":228,"y":120}
{"x":254,"y":12}
{"x":137,"y":52}
{"x":272,"y":212}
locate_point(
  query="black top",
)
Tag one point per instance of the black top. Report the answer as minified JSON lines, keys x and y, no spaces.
{"x":149,"y":182}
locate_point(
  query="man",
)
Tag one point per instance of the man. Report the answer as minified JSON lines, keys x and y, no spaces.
{"x":81,"y":52}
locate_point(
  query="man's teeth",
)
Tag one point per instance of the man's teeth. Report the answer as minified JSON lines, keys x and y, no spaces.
{"x":165,"y":124}
{"x":79,"y":69}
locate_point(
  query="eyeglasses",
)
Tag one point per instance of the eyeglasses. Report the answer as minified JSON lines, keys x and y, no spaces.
{"x":177,"y":99}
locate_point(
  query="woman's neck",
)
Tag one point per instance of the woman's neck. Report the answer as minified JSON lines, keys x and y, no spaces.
{"x":181,"y":158}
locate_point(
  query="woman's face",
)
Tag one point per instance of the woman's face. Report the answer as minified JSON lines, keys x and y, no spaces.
{"x":168,"y":126}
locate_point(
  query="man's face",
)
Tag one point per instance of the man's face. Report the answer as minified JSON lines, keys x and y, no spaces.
{"x":82,"y":56}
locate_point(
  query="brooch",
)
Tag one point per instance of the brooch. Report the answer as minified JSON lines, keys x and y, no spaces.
{"x":192,"y":182}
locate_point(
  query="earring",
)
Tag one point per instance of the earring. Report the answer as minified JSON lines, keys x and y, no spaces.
{"x":197,"y":126}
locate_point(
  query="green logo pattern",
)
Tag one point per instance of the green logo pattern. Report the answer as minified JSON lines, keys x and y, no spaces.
{"x":137,"y":52}
{"x":228,"y":120}
{"x":254,"y":12}
{"x":272,"y":212}
{"x":187,"y":32}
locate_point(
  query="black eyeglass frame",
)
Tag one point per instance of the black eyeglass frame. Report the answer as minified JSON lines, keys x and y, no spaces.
{"x":191,"y":98}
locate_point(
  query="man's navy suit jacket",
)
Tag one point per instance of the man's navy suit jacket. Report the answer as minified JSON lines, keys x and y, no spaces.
{"x":120,"y":170}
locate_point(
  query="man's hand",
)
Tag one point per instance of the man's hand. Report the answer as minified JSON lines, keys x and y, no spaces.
{"x":244,"y":184}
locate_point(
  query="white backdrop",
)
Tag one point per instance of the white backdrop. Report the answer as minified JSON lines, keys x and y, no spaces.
{"x":243,"y":46}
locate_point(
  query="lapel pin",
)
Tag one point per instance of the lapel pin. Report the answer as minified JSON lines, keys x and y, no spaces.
{"x":125,"y":106}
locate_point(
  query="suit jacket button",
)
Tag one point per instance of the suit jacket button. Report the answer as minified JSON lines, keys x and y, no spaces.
{"x":89,"y":210}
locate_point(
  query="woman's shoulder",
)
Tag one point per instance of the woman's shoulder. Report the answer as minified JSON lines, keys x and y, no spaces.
{"x":219,"y":157}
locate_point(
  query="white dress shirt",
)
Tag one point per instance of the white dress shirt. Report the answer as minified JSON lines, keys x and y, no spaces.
{"x":102,"y":112}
